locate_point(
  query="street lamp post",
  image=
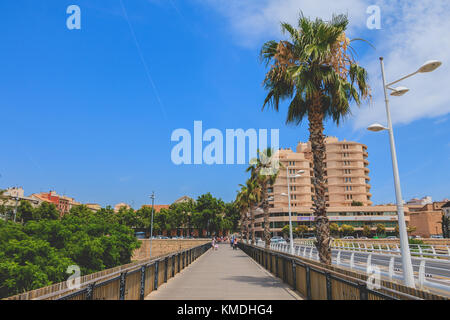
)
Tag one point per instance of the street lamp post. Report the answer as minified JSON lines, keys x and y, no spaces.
{"x":429,"y":66}
{"x":291,"y":237}
{"x":152,"y":196}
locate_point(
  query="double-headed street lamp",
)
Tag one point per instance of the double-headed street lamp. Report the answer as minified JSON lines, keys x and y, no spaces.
{"x":288,"y":177}
{"x":429,"y":66}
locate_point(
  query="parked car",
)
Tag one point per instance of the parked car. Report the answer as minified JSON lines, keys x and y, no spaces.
{"x":278,"y":239}
{"x":363,"y":238}
{"x":391,"y":238}
{"x":436,"y":236}
{"x":140,"y":235}
{"x":348,"y":238}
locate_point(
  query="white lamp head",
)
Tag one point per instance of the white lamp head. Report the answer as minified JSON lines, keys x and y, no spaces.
{"x":301,"y":171}
{"x":430,"y":66}
{"x":376,"y":127}
{"x":399,"y":91}
{"x":284,"y":194}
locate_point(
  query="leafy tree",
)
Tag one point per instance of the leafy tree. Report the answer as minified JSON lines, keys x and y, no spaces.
{"x":285,"y":230}
{"x":367,"y":231}
{"x":37,"y":253}
{"x":46,"y":211}
{"x":381,"y":229}
{"x":128,"y":217}
{"x":315,"y":70}
{"x":445,"y":222}
{"x":347,"y":230}
{"x":301,"y":230}
{"x":25,"y":211}
{"x":334,"y":228}
{"x":197,"y":222}
{"x":232,"y":213}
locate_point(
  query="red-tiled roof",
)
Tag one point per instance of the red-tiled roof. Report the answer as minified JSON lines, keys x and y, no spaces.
{"x":157,"y":207}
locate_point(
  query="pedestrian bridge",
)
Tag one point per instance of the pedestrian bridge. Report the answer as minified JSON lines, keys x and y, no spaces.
{"x":224,"y":274}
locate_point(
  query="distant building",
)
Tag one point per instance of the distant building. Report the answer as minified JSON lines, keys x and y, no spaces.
{"x":184,"y":199}
{"x":346,"y":181}
{"x":157,"y":207}
{"x":425,"y":200}
{"x":120,"y":205}
{"x":93,"y":206}
{"x":17,"y":194}
{"x":346,"y":175}
{"x":426,"y":218}
{"x":62,"y":203}
{"x":446,"y":209}
{"x":11,"y":198}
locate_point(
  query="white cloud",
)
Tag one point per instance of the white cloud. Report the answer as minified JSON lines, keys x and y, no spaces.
{"x":253,"y":21}
{"x":412,"y":33}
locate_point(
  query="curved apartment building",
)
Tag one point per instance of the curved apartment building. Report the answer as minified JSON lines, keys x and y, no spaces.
{"x":347,"y":181}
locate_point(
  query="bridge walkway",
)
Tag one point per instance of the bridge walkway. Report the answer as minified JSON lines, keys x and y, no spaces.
{"x":224,"y":274}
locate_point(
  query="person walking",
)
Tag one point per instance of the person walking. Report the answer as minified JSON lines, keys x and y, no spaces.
{"x":235,"y":244}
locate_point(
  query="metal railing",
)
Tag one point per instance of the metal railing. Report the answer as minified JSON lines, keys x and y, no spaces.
{"x":133,"y":283}
{"x":369,"y":259}
{"x":327,"y":283}
{"x":417,"y":250}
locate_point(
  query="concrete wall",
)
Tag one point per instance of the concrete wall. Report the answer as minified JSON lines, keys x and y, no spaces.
{"x":164,"y":246}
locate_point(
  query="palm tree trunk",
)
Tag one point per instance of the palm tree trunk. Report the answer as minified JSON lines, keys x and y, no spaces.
{"x":247,"y":229}
{"x":266,"y":215}
{"x":252,"y":215}
{"x":318,"y":150}
{"x":241,"y":223}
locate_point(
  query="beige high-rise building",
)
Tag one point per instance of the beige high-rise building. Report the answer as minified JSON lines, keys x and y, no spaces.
{"x":346,"y":175}
{"x":347,"y":193}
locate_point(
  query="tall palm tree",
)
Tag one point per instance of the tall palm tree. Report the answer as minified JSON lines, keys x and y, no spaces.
{"x":264,"y":171}
{"x":253,"y":193}
{"x":316,"y":71}
{"x":242,"y":204}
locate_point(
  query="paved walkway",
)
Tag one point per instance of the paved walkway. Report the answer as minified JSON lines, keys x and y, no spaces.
{"x":225,"y":274}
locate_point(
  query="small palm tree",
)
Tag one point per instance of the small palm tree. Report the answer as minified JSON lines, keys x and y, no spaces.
{"x":316,"y":71}
{"x":264,"y":171}
{"x":242,"y":204}
{"x":252,"y":196}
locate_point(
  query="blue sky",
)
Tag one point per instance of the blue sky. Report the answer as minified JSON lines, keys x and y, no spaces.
{"x":89,"y":113}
